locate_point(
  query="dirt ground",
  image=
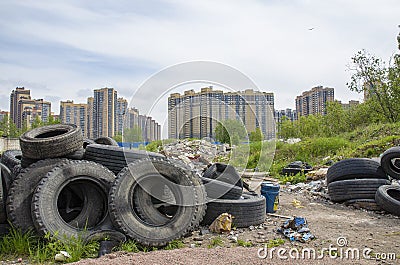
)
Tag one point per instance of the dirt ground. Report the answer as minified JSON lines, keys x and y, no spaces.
{"x":357,"y":228}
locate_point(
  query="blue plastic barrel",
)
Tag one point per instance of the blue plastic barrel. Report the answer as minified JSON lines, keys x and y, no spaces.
{"x":271,"y":193}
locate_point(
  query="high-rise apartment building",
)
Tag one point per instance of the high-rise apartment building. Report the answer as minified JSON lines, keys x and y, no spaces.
{"x":75,"y":113}
{"x":105,"y":116}
{"x":196,"y":114}
{"x":151,"y":130}
{"x":122,"y":108}
{"x":90,"y":115}
{"x":289,"y":114}
{"x":19,"y":93}
{"x":314,"y":101}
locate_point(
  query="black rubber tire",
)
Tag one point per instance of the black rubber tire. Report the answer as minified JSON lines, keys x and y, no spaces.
{"x":51,"y":141}
{"x":3,"y":192}
{"x":116,"y":158}
{"x":355,"y":168}
{"x":388,"y":198}
{"x":221,"y":190}
{"x":250,"y":210}
{"x":21,"y":192}
{"x":190,"y":194}
{"x":7,"y":177}
{"x":105,"y":234}
{"x":16,"y":171}
{"x":26,"y":162}
{"x":45,"y":212}
{"x":225,"y":173}
{"x":388,"y":162}
{"x":77,"y":155}
{"x":11,"y":158}
{"x":86,"y":142}
{"x":105,"y":140}
{"x":368,"y":204}
{"x":350,"y":189}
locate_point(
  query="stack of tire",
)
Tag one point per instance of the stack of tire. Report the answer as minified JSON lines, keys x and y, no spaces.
{"x":388,"y":196}
{"x":51,"y":186}
{"x":365,"y":180}
{"x":225,"y":195}
{"x":67,"y":186}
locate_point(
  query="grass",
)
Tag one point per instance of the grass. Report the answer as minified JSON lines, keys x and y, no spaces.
{"x":243,"y":243}
{"x":175,"y":244}
{"x":41,"y":250}
{"x":216,"y":242}
{"x":275,"y":242}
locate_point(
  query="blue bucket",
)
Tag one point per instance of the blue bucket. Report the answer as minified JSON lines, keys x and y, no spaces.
{"x":271,"y":193}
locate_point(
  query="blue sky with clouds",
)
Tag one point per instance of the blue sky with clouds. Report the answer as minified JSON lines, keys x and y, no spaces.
{"x":64,"y":49}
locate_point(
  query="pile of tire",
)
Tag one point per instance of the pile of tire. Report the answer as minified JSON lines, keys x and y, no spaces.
{"x":224,"y":188}
{"x":363,"y":180}
{"x":66,"y":186}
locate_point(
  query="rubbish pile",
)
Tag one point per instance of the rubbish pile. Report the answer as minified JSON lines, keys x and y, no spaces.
{"x":67,"y":186}
{"x":296,"y":229}
{"x":197,"y":154}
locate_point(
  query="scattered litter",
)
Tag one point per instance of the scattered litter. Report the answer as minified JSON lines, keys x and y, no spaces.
{"x":297,"y":203}
{"x":296,"y":229}
{"x":62,"y":256}
{"x":223,"y":223}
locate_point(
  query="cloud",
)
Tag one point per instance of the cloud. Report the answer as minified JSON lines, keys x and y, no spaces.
{"x":66,"y":49}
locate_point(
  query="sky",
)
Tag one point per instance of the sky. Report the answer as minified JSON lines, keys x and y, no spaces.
{"x":62,"y":50}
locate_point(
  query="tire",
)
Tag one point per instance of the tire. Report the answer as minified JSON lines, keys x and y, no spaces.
{"x":115,"y":158}
{"x":351,"y":189}
{"x":51,"y":141}
{"x":88,"y":175}
{"x":77,"y":155}
{"x":86,"y":142}
{"x":26,"y":162}
{"x":105,"y":140}
{"x":250,"y":210}
{"x":11,"y":158}
{"x":141,"y":175}
{"x":7,"y":177}
{"x":21,"y":192}
{"x":220,"y":190}
{"x":225,"y":173}
{"x":388,"y":198}
{"x":388,"y":160}
{"x":355,"y":168}
{"x":3,"y":192}
{"x":368,"y":204}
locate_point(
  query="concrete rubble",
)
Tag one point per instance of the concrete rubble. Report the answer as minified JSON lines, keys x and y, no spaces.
{"x":197,"y":154}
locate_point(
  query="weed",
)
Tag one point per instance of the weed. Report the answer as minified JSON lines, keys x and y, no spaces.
{"x":243,"y":243}
{"x":129,"y":246}
{"x":215,"y":242}
{"x":17,"y":243}
{"x":293,"y":179}
{"x":174,"y":245}
{"x":275,"y":242}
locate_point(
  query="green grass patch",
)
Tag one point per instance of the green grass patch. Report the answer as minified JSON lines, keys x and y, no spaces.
{"x":243,"y":243}
{"x":175,"y":244}
{"x":215,"y":242}
{"x":275,"y":242}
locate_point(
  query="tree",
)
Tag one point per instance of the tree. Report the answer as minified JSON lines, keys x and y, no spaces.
{"x":8,"y":128}
{"x":380,"y":82}
{"x":118,"y":137}
{"x":51,"y":121}
{"x":37,"y":123}
{"x":256,"y":136}
{"x":230,"y":131}
{"x":133,"y":134}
